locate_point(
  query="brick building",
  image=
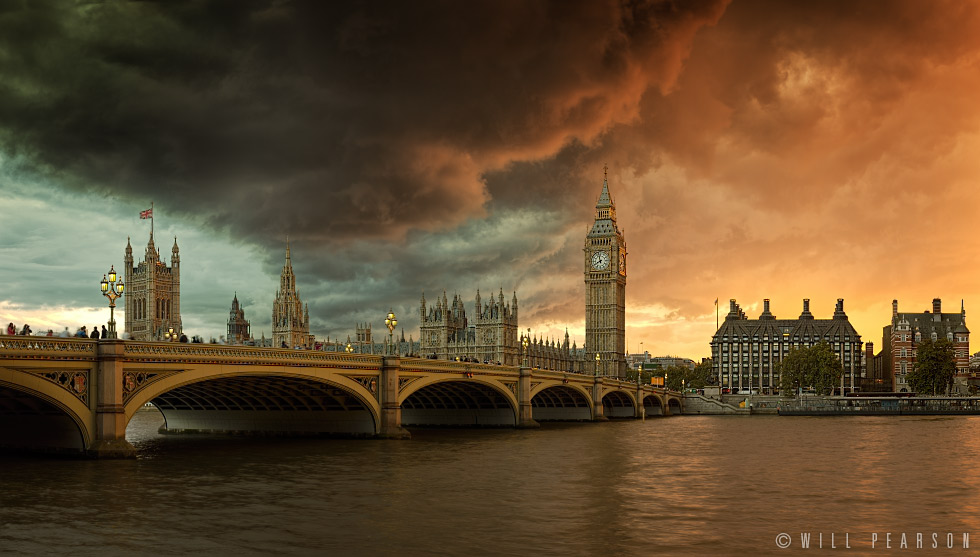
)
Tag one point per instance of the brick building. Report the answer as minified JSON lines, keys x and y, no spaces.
{"x":900,"y":338}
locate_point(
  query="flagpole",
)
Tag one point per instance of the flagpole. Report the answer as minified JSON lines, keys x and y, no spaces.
{"x":151,"y":219}
{"x":716,"y":314}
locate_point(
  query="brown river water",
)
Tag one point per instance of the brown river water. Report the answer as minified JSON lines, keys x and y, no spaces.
{"x":685,"y":485}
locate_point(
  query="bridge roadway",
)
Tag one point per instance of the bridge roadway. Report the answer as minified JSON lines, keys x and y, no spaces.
{"x":78,"y":395}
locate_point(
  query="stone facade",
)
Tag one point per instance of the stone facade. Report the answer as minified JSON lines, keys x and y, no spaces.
{"x":152,"y":297}
{"x":492,"y":337}
{"x":906,"y":330}
{"x":238,"y":327}
{"x":745,"y":351}
{"x":605,"y":288}
{"x":290,"y":318}
{"x":447,"y":333}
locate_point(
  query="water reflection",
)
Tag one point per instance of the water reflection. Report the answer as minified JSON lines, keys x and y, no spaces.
{"x":684,"y":485}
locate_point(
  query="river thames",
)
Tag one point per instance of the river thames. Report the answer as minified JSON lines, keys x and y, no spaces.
{"x":685,"y":485}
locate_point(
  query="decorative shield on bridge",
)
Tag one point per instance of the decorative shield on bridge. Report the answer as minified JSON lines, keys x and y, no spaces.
{"x":129,"y":382}
{"x":78,"y":383}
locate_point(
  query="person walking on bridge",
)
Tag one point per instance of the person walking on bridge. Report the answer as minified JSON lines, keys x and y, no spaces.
{"x":11,"y":330}
{"x":95,"y":332}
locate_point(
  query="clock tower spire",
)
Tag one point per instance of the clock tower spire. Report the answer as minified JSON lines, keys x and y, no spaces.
{"x":605,"y":287}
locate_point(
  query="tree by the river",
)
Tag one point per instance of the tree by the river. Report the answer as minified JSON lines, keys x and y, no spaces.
{"x":813,"y":366}
{"x":934,"y":367}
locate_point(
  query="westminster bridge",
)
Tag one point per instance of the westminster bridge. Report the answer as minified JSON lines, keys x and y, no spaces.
{"x":78,"y":395}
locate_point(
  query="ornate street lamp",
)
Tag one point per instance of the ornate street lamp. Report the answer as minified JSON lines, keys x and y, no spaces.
{"x":391,"y":322}
{"x":665,"y":381}
{"x":349,"y":348}
{"x":170,"y":335}
{"x":597,"y":357}
{"x":112,"y":290}
{"x":524,"y":342}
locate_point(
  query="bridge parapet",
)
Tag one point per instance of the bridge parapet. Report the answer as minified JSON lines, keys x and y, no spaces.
{"x":246,"y":355}
{"x":450,"y":366}
{"x":48,"y":348}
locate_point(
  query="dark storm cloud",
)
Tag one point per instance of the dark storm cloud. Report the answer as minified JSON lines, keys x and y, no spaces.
{"x":344,"y":125}
{"x":328,"y":120}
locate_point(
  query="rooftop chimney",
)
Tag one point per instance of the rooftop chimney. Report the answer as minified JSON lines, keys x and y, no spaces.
{"x":839,"y":309}
{"x":806,"y":309}
{"x":937,"y":305}
{"x":765,"y":310}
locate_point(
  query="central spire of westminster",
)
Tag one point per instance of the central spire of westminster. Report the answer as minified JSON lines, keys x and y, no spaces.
{"x":290,"y":318}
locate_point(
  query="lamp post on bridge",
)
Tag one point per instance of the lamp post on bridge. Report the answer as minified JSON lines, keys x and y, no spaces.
{"x":524,"y":342}
{"x":170,"y":335}
{"x":112,"y":290}
{"x":391,"y":322}
{"x":348,"y":348}
{"x":597,"y":358}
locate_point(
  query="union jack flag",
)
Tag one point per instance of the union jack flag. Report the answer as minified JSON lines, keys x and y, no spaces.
{"x":147,"y":214}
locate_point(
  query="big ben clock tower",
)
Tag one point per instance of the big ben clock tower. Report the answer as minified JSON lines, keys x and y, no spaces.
{"x":605,"y":288}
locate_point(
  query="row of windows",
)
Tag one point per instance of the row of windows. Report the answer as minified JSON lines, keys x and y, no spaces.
{"x":949,"y":336}
{"x":163,"y":308}
{"x":756,"y":338}
{"x":765,"y":347}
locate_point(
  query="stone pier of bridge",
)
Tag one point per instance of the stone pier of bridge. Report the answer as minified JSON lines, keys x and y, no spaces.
{"x":79,"y":395}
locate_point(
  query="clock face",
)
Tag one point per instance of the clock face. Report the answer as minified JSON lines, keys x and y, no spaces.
{"x":600,"y":261}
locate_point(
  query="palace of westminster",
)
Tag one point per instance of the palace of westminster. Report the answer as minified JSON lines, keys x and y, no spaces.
{"x":490,"y":334}
{"x":744,"y":351}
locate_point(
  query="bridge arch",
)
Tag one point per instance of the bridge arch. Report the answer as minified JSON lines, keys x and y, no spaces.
{"x":674,"y":405}
{"x":455,"y":401}
{"x":653,"y":405}
{"x":280,"y":401}
{"x":561,"y":402}
{"x":617,"y":403}
{"x":39,"y":414}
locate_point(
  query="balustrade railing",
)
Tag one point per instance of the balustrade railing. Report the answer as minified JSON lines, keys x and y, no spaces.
{"x":164,"y":351}
{"x":56,"y":348}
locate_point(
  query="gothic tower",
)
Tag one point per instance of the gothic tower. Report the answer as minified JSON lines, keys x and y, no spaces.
{"x":238,"y":326}
{"x":290,"y":318}
{"x":605,"y":288}
{"x":152,"y":293}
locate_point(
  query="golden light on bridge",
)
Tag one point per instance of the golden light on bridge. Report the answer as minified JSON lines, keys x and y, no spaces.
{"x":112,"y":290}
{"x":391,"y":321}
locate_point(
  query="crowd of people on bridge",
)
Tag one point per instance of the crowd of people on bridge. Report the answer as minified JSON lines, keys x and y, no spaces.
{"x":80,"y":332}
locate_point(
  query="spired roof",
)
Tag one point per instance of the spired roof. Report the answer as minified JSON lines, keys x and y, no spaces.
{"x":604,"y":199}
{"x":605,"y":211}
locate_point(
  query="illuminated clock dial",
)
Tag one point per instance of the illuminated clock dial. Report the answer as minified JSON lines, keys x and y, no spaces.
{"x":600,"y":261}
